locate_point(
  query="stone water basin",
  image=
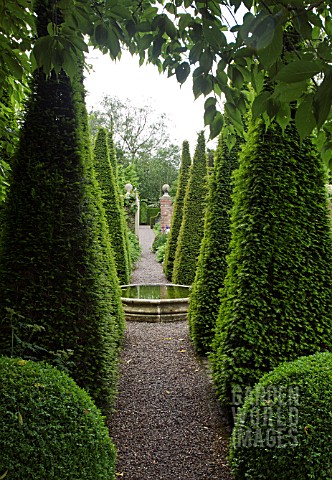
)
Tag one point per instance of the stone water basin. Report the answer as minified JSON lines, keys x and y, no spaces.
{"x":155,"y":302}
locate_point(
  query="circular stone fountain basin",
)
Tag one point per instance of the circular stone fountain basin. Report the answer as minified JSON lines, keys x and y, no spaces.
{"x":155,"y":302}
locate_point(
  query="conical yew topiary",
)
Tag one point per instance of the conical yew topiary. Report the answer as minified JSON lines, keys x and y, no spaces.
{"x":191,"y":231}
{"x":172,"y":238}
{"x":276,"y":303}
{"x":212,"y":265}
{"x":59,"y":293}
{"x":110,"y":196}
{"x":114,"y":163}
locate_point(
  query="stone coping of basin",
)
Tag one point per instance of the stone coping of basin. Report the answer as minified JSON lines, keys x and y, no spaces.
{"x":155,"y":310}
{"x":155,"y":301}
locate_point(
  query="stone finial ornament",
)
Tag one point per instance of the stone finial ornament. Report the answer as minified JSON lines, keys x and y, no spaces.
{"x":128,"y":187}
{"x":165,"y":189}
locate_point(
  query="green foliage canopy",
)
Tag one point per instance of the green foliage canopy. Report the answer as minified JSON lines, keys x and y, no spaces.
{"x":178,"y":35}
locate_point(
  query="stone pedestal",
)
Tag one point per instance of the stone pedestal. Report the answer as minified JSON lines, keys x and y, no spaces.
{"x":166,"y":210}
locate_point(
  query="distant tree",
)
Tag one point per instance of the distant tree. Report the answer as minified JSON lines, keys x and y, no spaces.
{"x":212,"y":264}
{"x":59,"y":293}
{"x":111,"y":202}
{"x":276,"y":304}
{"x":127,"y":175}
{"x":161,"y":168}
{"x":138,"y":131}
{"x":175,"y":226}
{"x":140,"y":139}
{"x":192,"y":226}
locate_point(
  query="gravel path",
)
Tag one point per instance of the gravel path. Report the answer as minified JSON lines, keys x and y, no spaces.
{"x":167,"y":424}
{"x":148,"y":270}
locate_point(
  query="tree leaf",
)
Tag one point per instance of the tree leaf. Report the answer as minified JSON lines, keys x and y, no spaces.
{"x":216,"y":125}
{"x":260,"y":104}
{"x":324,"y":51}
{"x":302,"y":25}
{"x":206,"y":61}
{"x":234,"y":115}
{"x":235,"y":76}
{"x":288,"y":93}
{"x":213,"y":35}
{"x":283,"y":116}
{"x":113,"y":43}
{"x":272,"y":52}
{"x":101,"y":34}
{"x":323,"y":99}
{"x":182,"y":71}
{"x":195,"y":52}
{"x":209,"y":102}
{"x":304,"y":118}
{"x":263,"y":32}
{"x":298,"y":70}
{"x":209,"y":114}
{"x":170,"y":28}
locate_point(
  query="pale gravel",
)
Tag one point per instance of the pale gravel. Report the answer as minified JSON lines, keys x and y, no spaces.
{"x":168,"y":423}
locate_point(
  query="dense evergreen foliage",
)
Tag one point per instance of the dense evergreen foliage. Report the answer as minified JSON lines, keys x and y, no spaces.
{"x":212,"y":265}
{"x":276,"y":303}
{"x":50,"y":428}
{"x":114,"y":163}
{"x":58,"y":285}
{"x":111,"y":202}
{"x":192,"y":226}
{"x":175,"y":226}
{"x":284,"y":428}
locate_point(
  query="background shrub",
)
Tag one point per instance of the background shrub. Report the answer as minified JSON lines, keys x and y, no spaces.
{"x":284,"y":429}
{"x":134,"y":247}
{"x":176,"y":221}
{"x":192,"y":226}
{"x":152,"y":212}
{"x":143,"y":212}
{"x":50,"y":428}
{"x":159,"y":240}
{"x":160,"y":253}
{"x":276,"y":303}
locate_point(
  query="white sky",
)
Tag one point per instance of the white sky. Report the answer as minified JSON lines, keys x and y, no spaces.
{"x":126,"y":79}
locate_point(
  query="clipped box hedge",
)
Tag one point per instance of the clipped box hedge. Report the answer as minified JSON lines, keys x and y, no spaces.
{"x":284,"y":429}
{"x":50,"y":428}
